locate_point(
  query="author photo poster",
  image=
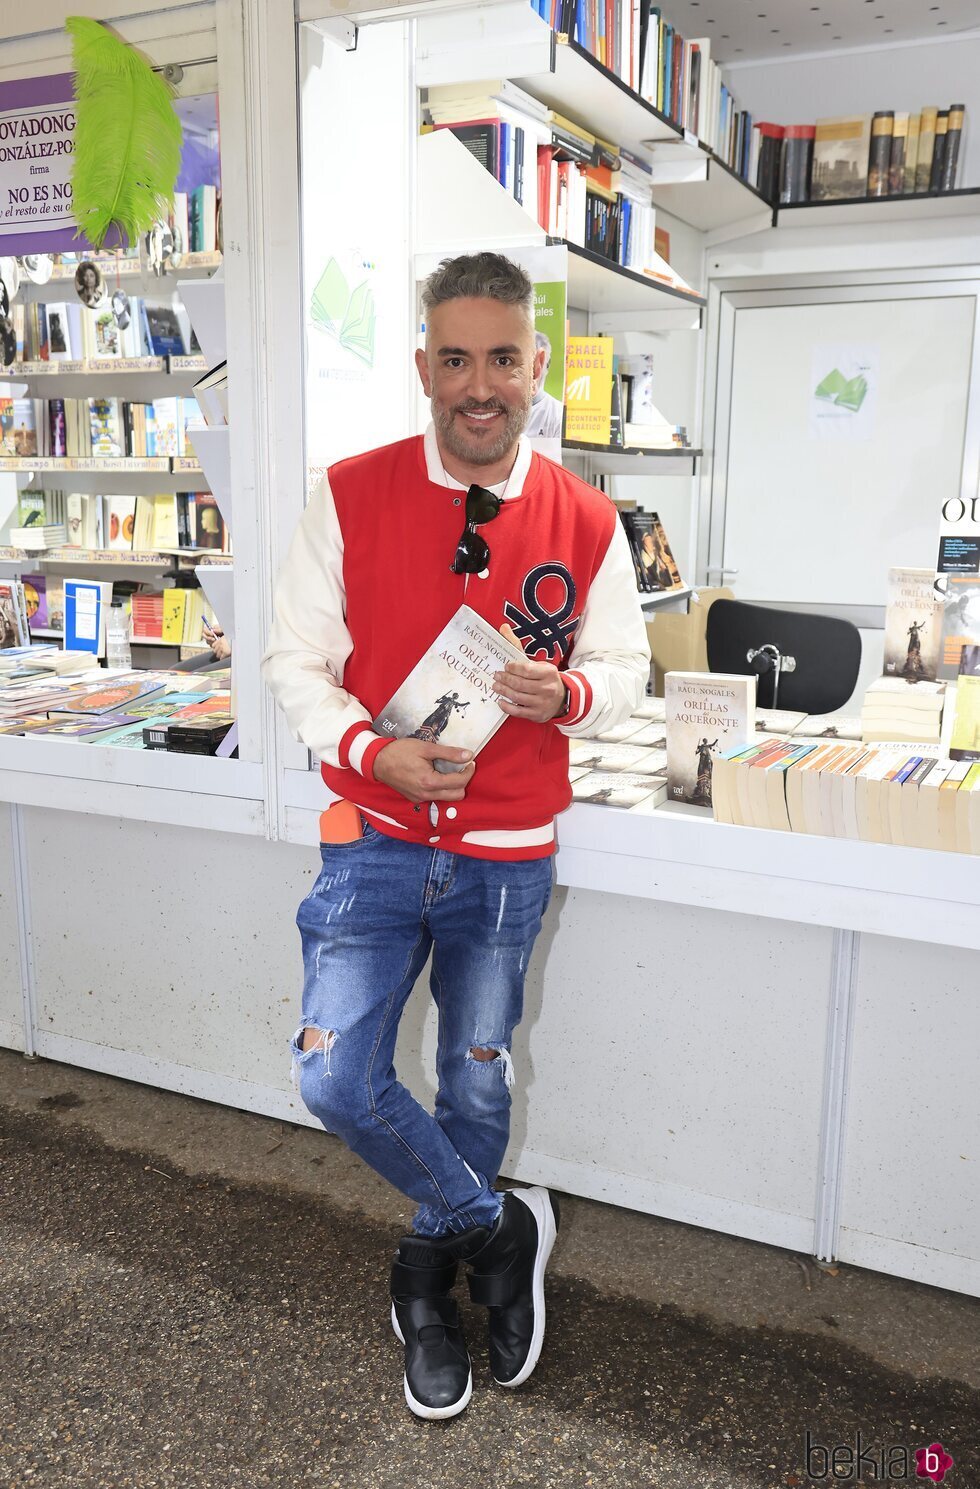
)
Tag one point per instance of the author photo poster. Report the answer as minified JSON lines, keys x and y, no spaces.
{"x":843,"y":391}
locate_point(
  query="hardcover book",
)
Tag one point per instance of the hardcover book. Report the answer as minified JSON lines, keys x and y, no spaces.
{"x":448,"y":697}
{"x":588,"y":389}
{"x":840,"y":158}
{"x":706,"y":711}
{"x":960,"y":623}
{"x":913,"y":623}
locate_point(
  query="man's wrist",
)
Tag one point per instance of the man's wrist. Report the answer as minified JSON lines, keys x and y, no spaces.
{"x":564,"y":708}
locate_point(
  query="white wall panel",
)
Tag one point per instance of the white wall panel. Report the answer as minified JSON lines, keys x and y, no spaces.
{"x":912,"y":1159}
{"x":173,"y":945}
{"x":11,"y":1006}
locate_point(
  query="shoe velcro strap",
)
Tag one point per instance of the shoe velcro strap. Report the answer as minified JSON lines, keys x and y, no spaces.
{"x":419,"y":1313}
{"x":421,"y":1282}
{"x":496,"y":1289}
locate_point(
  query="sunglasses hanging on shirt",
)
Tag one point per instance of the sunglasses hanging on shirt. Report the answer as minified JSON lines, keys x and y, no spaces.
{"x":472,"y":552}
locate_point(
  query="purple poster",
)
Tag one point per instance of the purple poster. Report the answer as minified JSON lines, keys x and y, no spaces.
{"x":37,"y":142}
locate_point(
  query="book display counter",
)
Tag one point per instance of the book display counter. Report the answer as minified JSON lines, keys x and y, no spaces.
{"x":730,"y":1026}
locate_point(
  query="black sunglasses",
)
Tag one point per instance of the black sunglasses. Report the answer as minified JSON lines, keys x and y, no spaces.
{"x":472,"y":552}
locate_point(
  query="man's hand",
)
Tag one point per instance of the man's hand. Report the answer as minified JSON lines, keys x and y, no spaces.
{"x":529,"y":690}
{"x":406,"y":766}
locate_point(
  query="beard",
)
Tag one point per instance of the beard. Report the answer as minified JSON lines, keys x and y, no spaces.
{"x":474,"y":449}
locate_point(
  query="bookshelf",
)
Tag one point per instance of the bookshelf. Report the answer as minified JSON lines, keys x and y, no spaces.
{"x":192,"y":266}
{"x":880,"y":211}
{"x":665,"y":598}
{"x":519,"y":44}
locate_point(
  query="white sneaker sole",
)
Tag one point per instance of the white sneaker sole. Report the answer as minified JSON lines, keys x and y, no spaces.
{"x":538,"y":1202}
{"x":431,"y":1413}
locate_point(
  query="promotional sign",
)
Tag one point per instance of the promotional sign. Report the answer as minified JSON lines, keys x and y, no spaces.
{"x":589,"y":375}
{"x":37,"y":144}
{"x":844,"y":391}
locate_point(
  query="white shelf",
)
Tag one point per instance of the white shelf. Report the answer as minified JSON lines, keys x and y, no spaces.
{"x":107,"y":465}
{"x":212,"y":448}
{"x":204,"y":301}
{"x":138,"y":279}
{"x":140,"y":379}
{"x":596,"y":283}
{"x":584,"y":91}
{"x":610,"y":460}
{"x":663,"y":598}
{"x":722,"y":199}
{"x":218,"y":584}
{"x":881,"y":210}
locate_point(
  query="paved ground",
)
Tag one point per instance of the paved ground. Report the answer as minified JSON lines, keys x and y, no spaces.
{"x":196,"y":1297}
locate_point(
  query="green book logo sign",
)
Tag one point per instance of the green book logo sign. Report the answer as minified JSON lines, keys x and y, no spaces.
{"x":346,"y":314}
{"x":848,"y":393}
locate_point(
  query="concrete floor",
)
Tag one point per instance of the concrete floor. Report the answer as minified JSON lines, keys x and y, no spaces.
{"x":195,"y":1296}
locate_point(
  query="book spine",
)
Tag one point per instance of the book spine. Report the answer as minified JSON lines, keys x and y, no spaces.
{"x":896,"y":167}
{"x":927,"y":141}
{"x":939,"y":151}
{"x":951,"y":155}
{"x":911,"y":152}
{"x":879,"y":159}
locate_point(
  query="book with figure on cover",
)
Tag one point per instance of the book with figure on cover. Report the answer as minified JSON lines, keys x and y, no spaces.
{"x":913,"y":623}
{"x":706,"y":711}
{"x":448,"y":697}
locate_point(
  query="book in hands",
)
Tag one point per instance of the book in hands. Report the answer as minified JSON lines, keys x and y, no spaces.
{"x":448,"y":698}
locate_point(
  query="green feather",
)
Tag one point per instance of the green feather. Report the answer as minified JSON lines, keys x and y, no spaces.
{"x":127,"y":137}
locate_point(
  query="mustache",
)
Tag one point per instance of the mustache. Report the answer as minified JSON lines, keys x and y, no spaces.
{"x":470,"y":407}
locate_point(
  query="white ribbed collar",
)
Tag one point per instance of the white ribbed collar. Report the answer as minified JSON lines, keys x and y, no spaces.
{"x":439,"y":476}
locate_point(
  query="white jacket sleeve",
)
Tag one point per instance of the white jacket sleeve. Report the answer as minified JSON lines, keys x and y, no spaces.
{"x":309,"y":644}
{"x":610,"y":659}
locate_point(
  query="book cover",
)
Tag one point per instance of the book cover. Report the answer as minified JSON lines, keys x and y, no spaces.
{"x":911,"y":153}
{"x":36,"y":601}
{"x":960,"y":623}
{"x":448,"y":697}
{"x":166,"y":417}
{"x":588,"y":389}
{"x":913,"y":625}
{"x":657,"y":563}
{"x":964,"y":742}
{"x":24,"y":433}
{"x":106,"y":340}
{"x":206,"y":531}
{"x":613,"y":788}
{"x":120,"y":520}
{"x":10,"y":630}
{"x":86,"y":603}
{"x":105,"y":426}
{"x":840,"y":158}
{"x":939,"y":151}
{"x":163,"y":331}
{"x":110,"y":698}
{"x":705,"y":711}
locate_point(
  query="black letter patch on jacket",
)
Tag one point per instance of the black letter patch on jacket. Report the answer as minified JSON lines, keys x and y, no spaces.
{"x":547,"y":631}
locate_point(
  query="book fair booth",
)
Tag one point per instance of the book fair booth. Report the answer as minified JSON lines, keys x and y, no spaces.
{"x":756,"y":260}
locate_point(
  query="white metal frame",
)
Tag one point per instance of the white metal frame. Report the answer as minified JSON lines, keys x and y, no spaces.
{"x":726,"y":297}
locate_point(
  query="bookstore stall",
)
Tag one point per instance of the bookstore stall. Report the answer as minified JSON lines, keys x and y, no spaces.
{"x":756,"y":282}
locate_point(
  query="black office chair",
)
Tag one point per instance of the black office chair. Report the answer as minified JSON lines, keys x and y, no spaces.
{"x":812,"y":661}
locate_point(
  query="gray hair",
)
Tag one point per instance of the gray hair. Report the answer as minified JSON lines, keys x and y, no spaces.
{"x":479,"y":276}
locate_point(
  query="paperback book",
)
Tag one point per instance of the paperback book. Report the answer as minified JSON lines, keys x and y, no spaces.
{"x":448,"y":697}
{"x":913,"y":623}
{"x":706,"y":711}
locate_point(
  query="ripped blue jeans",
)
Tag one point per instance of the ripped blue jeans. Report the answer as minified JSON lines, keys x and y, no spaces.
{"x":376,"y":910}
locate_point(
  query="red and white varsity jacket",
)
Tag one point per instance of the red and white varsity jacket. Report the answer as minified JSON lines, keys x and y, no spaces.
{"x":367,"y":586}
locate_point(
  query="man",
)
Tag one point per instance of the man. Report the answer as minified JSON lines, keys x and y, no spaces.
{"x":545,"y":418}
{"x":458,"y":863}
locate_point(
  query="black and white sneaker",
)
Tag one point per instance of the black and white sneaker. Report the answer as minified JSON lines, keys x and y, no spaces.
{"x":425,"y":1318}
{"x":507,"y":1277}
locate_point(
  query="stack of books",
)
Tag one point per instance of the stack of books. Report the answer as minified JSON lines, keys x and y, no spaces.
{"x":895,"y":709}
{"x":887,"y":793}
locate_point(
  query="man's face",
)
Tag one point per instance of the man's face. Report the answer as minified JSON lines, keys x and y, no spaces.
{"x":479,"y":369}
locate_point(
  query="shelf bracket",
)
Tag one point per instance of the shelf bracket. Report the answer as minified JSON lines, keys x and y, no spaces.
{"x":759,"y":222}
